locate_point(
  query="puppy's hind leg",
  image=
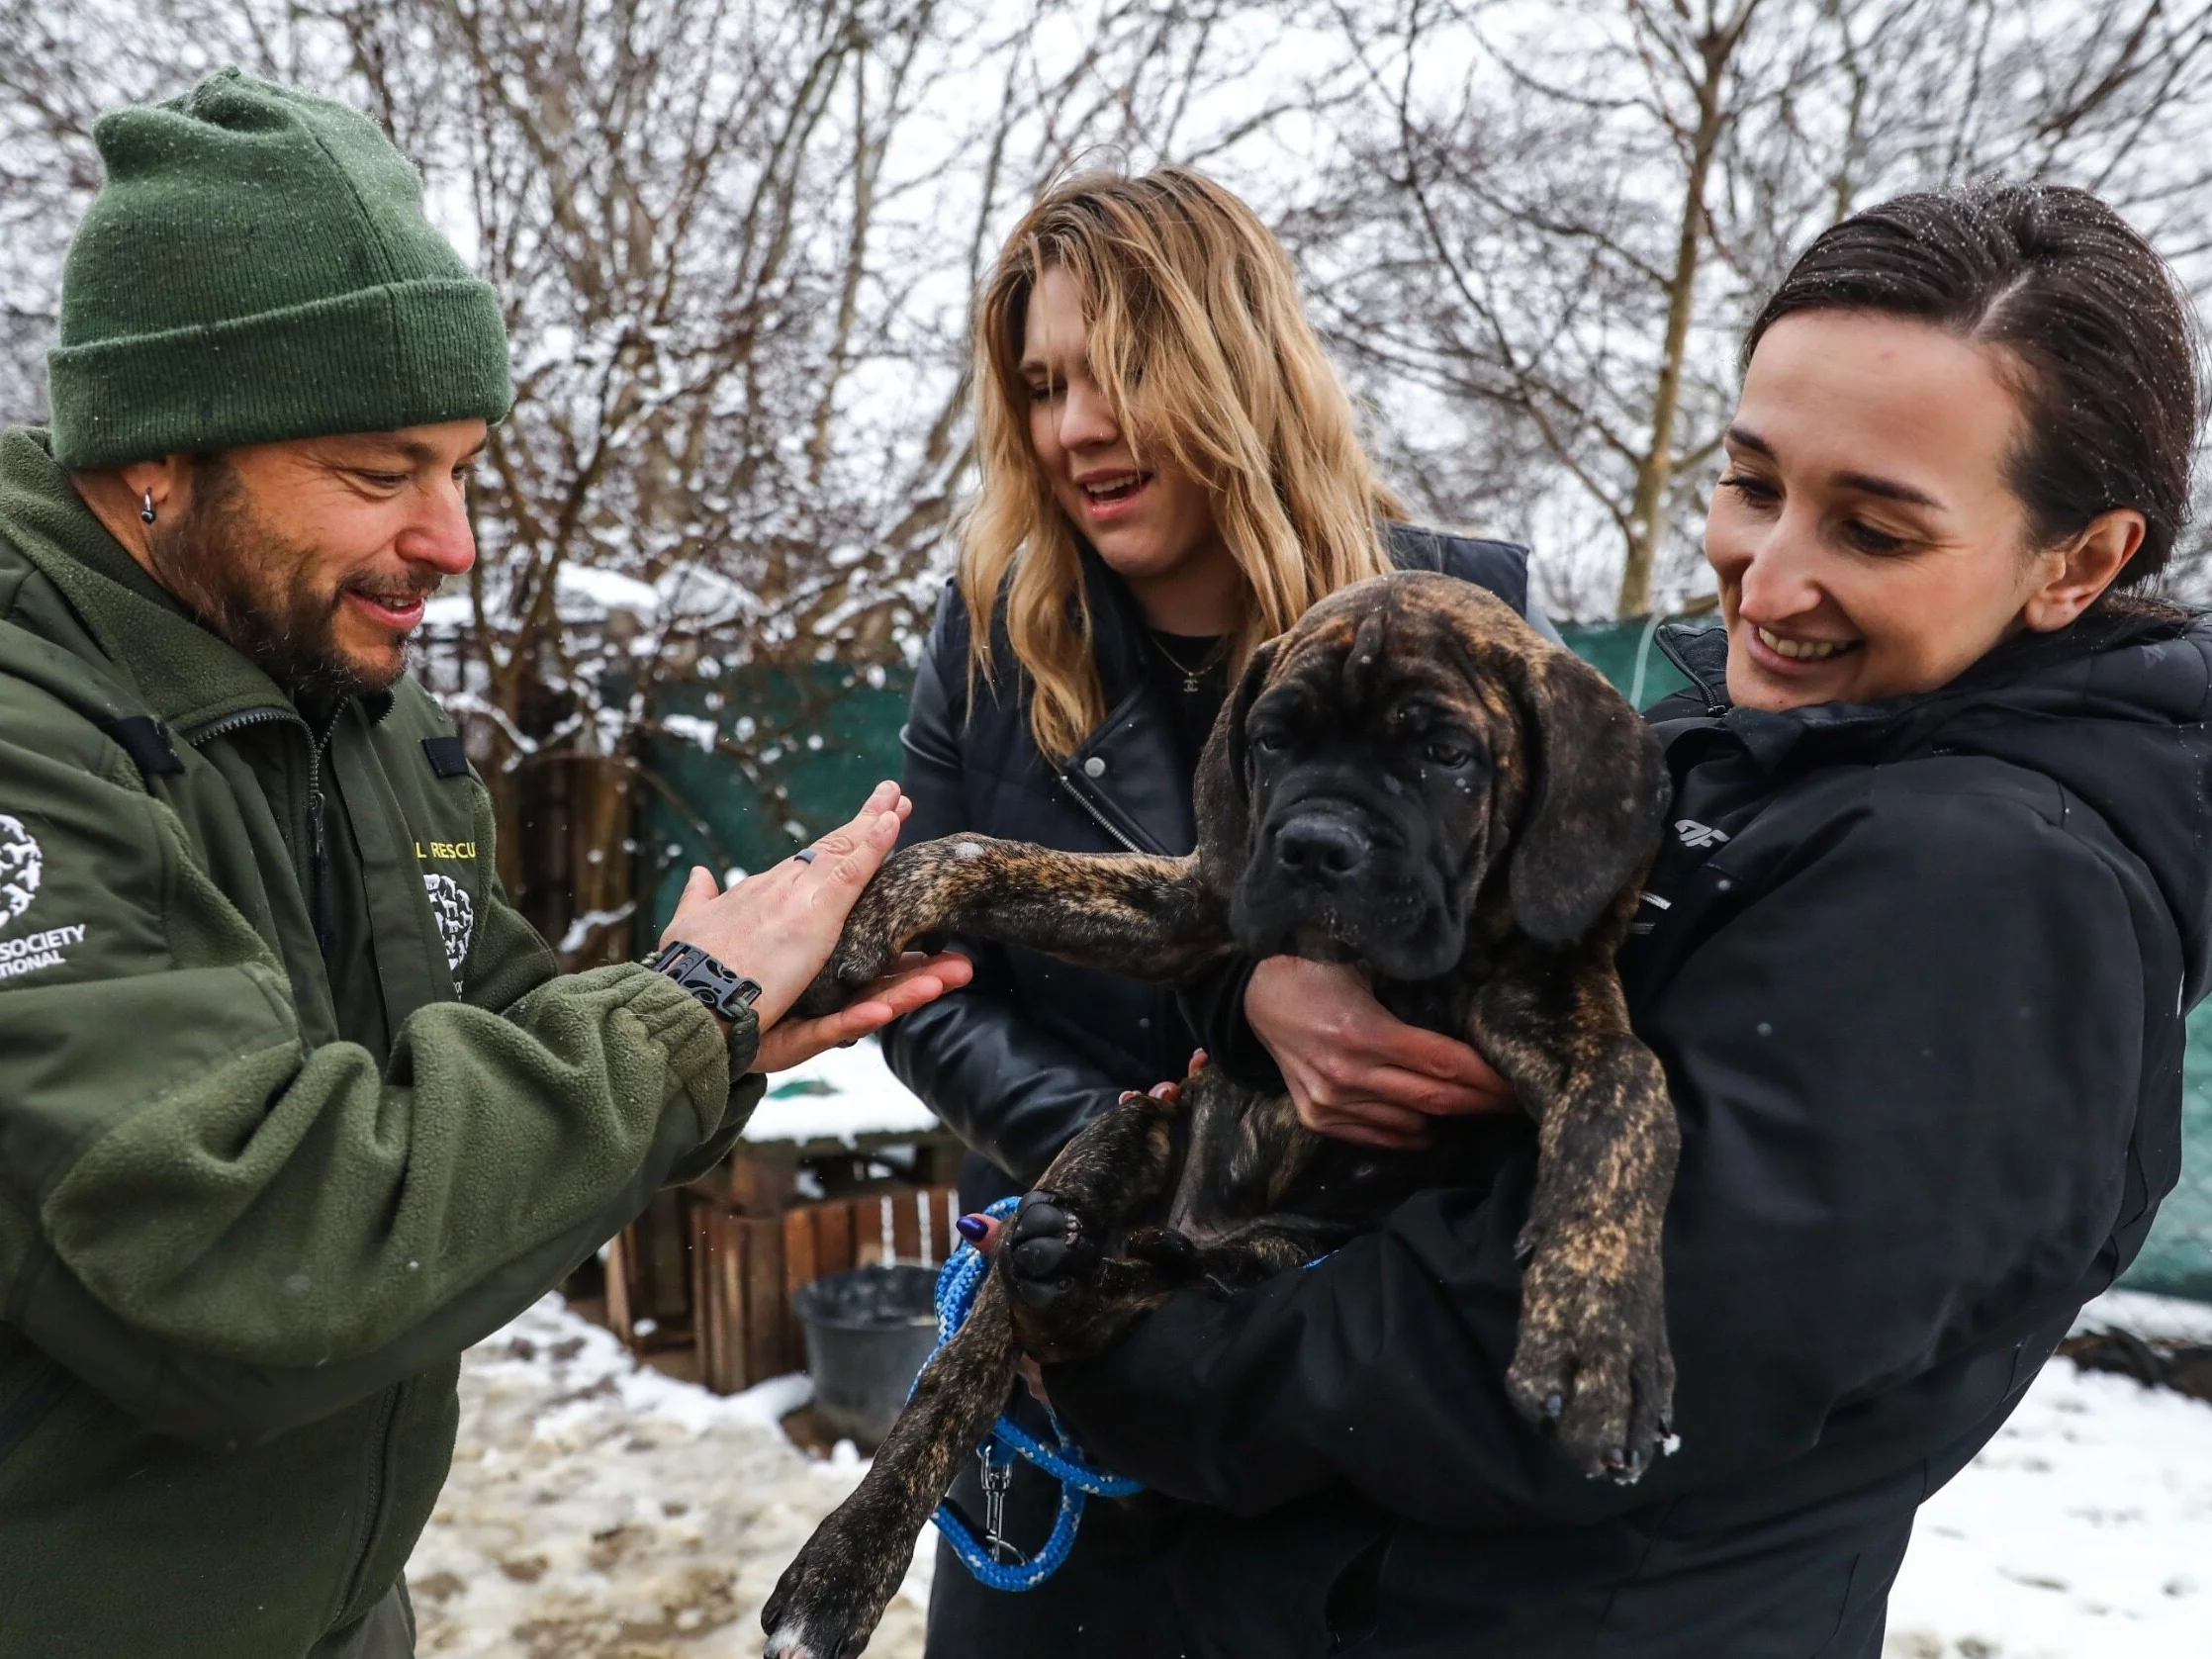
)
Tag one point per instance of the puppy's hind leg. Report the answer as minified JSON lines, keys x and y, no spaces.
{"x":1070,"y":1295}
{"x":831,"y":1597}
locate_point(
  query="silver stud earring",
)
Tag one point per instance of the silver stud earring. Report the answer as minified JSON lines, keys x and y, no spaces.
{"x":146,"y":509}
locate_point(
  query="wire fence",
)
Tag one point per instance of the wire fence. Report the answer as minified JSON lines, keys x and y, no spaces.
{"x":2178,"y":1257}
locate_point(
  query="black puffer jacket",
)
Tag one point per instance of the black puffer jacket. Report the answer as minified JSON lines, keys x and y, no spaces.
{"x":1917,"y":973}
{"x":1033,"y":1049}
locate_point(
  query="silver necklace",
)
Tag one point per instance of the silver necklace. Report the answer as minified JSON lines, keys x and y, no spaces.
{"x":1194,"y":674}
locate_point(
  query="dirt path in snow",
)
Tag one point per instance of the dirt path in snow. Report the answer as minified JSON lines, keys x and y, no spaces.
{"x":597,"y":1511}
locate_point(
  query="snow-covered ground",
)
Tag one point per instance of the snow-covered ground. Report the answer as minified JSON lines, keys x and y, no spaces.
{"x":2084,"y":1530}
{"x":599,"y":1511}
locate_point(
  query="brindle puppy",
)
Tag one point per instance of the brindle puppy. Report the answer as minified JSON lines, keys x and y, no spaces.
{"x":1412,"y":780}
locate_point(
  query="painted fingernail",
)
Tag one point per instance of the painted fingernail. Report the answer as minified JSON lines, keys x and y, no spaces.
{"x":973,"y":1228}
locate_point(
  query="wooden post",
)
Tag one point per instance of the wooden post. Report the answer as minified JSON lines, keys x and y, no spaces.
{"x":618,"y":1284}
{"x":767,"y":1354}
{"x":747,"y":1269}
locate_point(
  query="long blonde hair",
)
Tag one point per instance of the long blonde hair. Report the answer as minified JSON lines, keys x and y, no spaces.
{"x":1187,"y":295}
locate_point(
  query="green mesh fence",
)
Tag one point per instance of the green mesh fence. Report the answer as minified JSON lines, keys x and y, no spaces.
{"x":814,"y":742}
{"x":2178,"y":1257}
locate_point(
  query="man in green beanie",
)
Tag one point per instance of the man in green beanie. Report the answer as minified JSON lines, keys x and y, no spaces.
{"x":293,"y":1105}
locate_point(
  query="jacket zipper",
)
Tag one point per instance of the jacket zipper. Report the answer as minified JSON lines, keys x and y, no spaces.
{"x":387,"y":1414}
{"x":319,"y":847}
{"x":1088,"y":805}
{"x":1715,"y":702}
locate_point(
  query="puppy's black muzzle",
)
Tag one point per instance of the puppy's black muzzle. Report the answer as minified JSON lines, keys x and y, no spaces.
{"x":1322,"y":848}
{"x":1334,"y":879}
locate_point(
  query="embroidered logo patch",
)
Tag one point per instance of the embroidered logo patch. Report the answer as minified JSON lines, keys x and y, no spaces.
{"x":456,"y":919}
{"x":20,"y":865}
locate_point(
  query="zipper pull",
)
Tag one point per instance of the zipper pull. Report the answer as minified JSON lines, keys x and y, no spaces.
{"x":318,"y":873}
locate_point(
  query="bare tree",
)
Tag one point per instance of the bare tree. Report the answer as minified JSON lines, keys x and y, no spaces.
{"x":61,"y":63}
{"x":1549,"y":228}
{"x":736,"y":243}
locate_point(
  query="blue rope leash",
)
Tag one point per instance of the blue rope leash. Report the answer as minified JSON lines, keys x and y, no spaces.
{"x":958,"y":1283}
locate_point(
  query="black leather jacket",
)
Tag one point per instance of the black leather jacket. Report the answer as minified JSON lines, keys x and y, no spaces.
{"x":1022,"y":1059}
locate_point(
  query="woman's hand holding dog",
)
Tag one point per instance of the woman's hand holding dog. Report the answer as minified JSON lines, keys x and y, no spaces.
{"x":1354,"y":1071}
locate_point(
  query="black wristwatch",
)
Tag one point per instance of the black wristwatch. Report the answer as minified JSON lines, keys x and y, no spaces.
{"x":721,"y":992}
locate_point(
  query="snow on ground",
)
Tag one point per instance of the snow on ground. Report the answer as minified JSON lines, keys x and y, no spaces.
{"x":597,"y":1509}
{"x":602,"y":1511}
{"x":2084,"y":1530}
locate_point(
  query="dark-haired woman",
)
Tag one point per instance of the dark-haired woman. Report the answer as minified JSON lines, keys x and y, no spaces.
{"x":1933,"y":901}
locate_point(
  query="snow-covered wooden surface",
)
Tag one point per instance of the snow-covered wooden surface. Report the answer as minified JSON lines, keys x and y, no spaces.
{"x":840,"y":1095}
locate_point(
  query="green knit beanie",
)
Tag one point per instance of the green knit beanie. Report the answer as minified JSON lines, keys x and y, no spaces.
{"x":257,"y":267}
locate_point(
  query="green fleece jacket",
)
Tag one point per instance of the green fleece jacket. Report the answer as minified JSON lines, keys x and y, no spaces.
{"x":293,"y":1108}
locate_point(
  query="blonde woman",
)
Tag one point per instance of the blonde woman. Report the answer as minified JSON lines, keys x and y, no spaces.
{"x":1170,"y":475}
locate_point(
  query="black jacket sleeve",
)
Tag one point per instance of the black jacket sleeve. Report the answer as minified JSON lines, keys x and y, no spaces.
{"x":1011,"y":1092}
{"x":1906,"y":1075}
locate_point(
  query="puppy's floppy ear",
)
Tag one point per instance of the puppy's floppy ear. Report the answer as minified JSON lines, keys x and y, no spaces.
{"x":1596,"y":801}
{"x":1222,"y":790}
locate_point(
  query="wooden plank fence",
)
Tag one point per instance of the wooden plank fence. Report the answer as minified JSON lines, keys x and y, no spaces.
{"x":744,"y":1269}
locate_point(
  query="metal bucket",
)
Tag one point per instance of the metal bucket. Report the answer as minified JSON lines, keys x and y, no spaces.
{"x":868,"y":1332}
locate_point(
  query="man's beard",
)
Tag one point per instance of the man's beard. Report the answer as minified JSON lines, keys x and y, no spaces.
{"x":260,"y":593}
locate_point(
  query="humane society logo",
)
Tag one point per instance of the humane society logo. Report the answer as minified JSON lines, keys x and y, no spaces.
{"x":456,"y":919}
{"x":22,"y":867}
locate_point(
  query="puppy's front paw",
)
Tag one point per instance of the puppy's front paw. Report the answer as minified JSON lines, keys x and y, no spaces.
{"x":1592,"y":1366}
{"x":826,"y":995}
{"x":866,"y":951}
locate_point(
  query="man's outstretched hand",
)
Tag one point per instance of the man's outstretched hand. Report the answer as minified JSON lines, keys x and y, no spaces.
{"x":779,"y":927}
{"x":917,"y":981}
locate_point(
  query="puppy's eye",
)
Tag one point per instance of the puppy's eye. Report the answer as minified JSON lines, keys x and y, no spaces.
{"x":1270,"y":740}
{"x":1444,"y":752}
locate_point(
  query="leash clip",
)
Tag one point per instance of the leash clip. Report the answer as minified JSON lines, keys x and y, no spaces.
{"x":998,"y":1480}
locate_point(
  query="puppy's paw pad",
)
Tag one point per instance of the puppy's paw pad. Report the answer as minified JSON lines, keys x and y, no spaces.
{"x":1049,"y":1250}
